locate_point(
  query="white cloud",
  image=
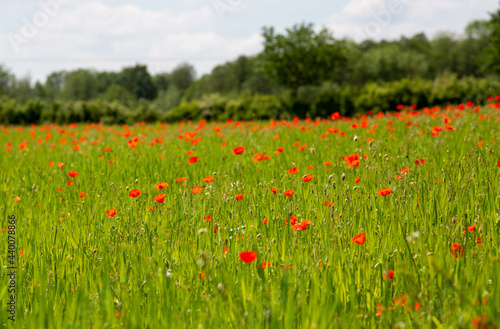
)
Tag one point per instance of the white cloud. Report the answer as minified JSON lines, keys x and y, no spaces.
{"x":373,"y":19}
{"x":92,"y":34}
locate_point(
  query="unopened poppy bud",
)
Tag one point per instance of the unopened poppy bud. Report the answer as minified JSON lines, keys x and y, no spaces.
{"x":136,"y":180}
{"x":259,"y":235}
{"x":453,"y":220}
{"x":343,"y":176}
{"x":220,"y":287}
{"x":126,"y":188}
{"x":330,"y":177}
{"x":355,"y":138}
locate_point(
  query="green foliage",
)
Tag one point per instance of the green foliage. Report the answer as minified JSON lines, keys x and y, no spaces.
{"x":182,"y":76}
{"x":493,"y":49}
{"x":301,"y":57}
{"x":118,"y":93}
{"x":138,"y":82}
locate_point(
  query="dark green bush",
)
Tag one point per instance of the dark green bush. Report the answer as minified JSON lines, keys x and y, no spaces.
{"x":310,"y":101}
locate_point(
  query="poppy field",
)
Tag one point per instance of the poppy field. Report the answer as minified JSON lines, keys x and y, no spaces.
{"x":388,"y":220}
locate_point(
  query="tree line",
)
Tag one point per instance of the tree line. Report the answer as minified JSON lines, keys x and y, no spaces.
{"x":299,"y":72}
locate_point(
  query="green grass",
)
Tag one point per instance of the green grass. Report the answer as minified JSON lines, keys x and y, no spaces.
{"x":143,"y":269}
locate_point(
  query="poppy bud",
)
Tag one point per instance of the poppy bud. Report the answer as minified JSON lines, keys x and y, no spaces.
{"x":220,"y":287}
{"x":343,"y":176}
{"x":355,"y":138}
{"x":453,"y":220}
{"x":136,"y":180}
{"x":126,"y":188}
{"x":259,"y":235}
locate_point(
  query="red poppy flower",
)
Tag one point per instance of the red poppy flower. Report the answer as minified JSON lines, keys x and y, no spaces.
{"x":289,"y":193}
{"x":480,"y":322}
{"x":356,"y":180}
{"x":161,"y":186}
{"x":359,"y":239}
{"x":307,"y":178}
{"x":274,"y":189}
{"x":216,"y":229}
{"x":180,"y":179}
{"x":498,"y":163}
{"x":293,"y":221}
{"x":384,"y":192}
{"x":73,"y":173}
{"x":471,"y":229}
{"x":196,"y":190}
{"x":248,"y":256}
{"x":292,"y":171}
{"x":352,"y":160}
{"x":111,"y":212}
{"x":258,"y":157}
{"x":208,"y":179}
{"x":134,"y":193}
{"x":193,"y":160}
{"x":419,"y":162}
{"x":279,"y":150}
{"x":456,"y":250}
{"x":51,"y":163}
{"x":239,"y":150}
{"x":238,"y":197}
{"x":17,"y":199}
{"x":82,"y":195}
{"x":70,"y":182}
{"x":328,"y":204}
{"x":302,"y":225}
{"x":389,"y":275}
{"x":263,"y":265}
{"x":264,"y":222}
{"x":60,"y":165}
{"x":159,"y":198}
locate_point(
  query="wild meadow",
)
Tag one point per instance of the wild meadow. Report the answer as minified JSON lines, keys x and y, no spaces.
{"x":380,"y":221}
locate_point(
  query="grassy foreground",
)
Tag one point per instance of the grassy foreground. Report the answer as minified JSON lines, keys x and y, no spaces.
{"x":396,"y":225}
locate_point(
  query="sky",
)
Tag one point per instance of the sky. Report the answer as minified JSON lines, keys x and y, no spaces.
{"x":38,"y":37}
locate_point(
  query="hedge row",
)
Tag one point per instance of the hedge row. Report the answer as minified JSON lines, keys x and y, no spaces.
{"x":311,"y":101}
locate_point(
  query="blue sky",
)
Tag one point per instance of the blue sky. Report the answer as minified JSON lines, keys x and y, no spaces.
{"x":41,"y":36}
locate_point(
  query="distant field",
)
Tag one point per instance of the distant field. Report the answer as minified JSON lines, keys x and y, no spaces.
{"x":385,"y":221}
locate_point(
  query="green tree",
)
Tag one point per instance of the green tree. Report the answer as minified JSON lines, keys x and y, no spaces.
{"x":493,"y":49}
{"x":5,"y":80}
{"x":80,"y":85}
{"x":54,"y":84}
{"x":137,"y":80}
{"x":182,"y":76}
{"x":300,"y":57}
